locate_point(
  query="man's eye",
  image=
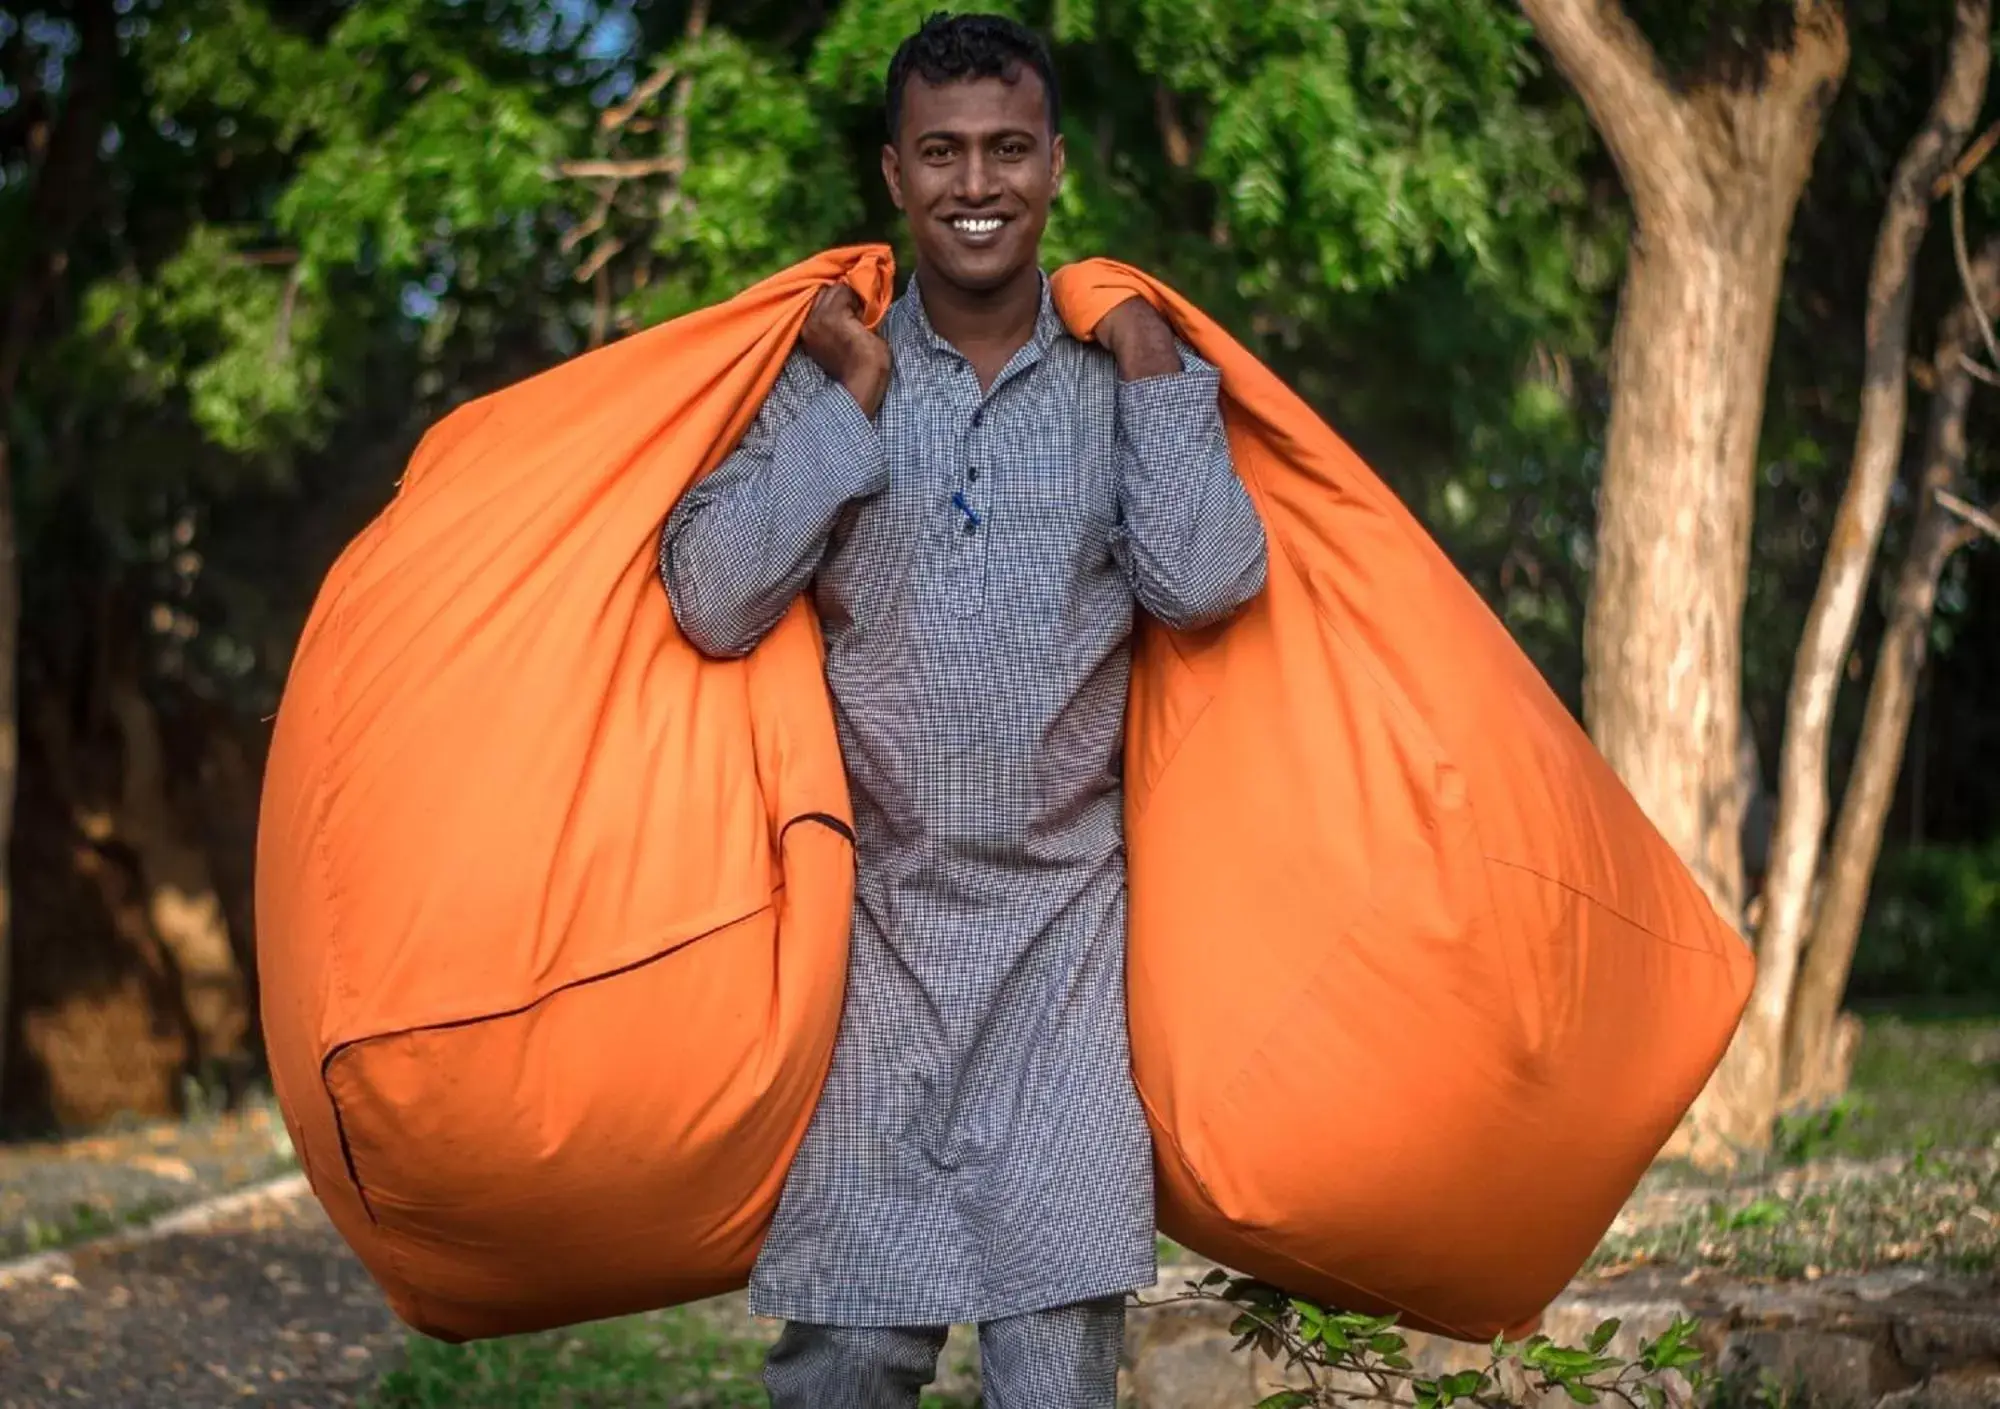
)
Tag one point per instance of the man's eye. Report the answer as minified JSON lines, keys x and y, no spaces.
{"x":1013,"y":151}
{"x":937,"y":153}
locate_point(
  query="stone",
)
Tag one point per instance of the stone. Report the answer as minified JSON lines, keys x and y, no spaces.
{"x":1930,"y":1339}
{"x":1888,"y":1283}
{"x":1967,"y":1392}
{"x":1180,"y":1358}
{"x":1829,"y":1371}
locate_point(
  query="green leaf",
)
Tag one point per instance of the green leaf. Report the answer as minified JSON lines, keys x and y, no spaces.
{"x":1464,"y":1384}
{"x":1286,"y":1399}
{"x":1759,"y":1213}
{"x":1603,"y":1335}
{"x":1076,"y":23}
{"x":1582,"y":1394}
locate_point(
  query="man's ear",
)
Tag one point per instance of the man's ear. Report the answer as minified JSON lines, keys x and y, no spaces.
{"x":1058,"y":161}
{"x":892,"y":173}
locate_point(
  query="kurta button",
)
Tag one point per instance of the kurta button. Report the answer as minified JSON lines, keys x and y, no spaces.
{"x":973,"y":473}
{"x":971,"y":527}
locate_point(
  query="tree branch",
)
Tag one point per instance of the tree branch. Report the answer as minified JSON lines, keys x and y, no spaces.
{"x":1173,"y":132}
{"x":1971,"y":514}
{"x":591,"y":224}
{"x":1814,"y":1064}
{"x":288,"y":307}
{"x":1966,"y":279}
{"x":630,"y":169}
{"x":1978,"y":370}
{"x":1798,"y":834}
{"x":613,"y":118}
{"x":1619,"y":78}
{"x":606,"y":250}
{"x":614,"y":172}
{"x":1969,"y":161}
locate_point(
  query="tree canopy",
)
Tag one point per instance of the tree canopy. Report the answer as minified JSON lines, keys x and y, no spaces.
{"x":306,"y":228}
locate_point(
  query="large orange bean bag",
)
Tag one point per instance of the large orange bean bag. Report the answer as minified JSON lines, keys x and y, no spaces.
{"x":553,"y":911}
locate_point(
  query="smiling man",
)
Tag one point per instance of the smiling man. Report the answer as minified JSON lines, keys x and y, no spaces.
{"x":978,"y":503}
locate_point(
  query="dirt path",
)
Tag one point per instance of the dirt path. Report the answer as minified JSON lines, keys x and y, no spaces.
{"x":262,"y":1306}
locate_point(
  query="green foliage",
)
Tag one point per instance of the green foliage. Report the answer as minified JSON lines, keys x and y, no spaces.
{"x":333,"y":224}
{"x":233,"y":339}
{"x":705,"y":1356}
{"x":1925,"y":1209}
{"x":773,"y":183}
{"x":1933,"y":916}
{"x":322,"y":226}
{"x":1353,"y":144}
{"x":1346,"y":1359}
{"x":853,"y":51}
{"x":674,"y":1359}
{"x":1804,"y":1136}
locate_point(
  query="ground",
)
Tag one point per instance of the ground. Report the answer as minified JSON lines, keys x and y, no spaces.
{"x":264,"y":1306}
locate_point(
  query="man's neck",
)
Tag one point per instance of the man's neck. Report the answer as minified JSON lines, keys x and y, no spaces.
{"x":987,"y":326}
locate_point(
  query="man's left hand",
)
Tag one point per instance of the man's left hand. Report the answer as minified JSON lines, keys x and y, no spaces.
{"x":1139,"y":340}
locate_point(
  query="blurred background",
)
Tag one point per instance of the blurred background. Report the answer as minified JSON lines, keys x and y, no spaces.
{"x":250,"y":249}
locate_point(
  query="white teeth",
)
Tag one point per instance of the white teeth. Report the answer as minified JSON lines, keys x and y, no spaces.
{"x":976,"y":227}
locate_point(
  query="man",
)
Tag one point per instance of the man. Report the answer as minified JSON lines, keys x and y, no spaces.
{"x":976,"y":501}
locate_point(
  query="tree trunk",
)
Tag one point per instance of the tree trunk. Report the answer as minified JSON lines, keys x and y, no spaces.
{"x":1752,"y":1071}
{"x":10,"y":741}
{"x":1815,"y":1064}
{"x":181,"y":897}
{"x":62,"y":191}
{"x":1663,"y":633}
{"x":1714,"y":169}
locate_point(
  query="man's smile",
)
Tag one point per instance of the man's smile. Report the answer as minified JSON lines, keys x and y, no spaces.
{"x":977,"y":229}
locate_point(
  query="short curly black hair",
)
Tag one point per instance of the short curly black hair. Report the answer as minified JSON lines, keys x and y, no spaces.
{"x":949,"y":47}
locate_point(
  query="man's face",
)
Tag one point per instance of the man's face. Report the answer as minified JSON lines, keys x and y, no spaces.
{"x":973,"y":170}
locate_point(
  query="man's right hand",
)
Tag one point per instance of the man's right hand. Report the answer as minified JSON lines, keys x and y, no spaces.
{"x":835,"y":338}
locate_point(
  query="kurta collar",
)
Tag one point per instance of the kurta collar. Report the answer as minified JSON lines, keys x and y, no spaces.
{"x":1048,"y":325}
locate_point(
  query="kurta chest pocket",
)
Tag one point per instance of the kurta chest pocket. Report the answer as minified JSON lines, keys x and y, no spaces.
{"x":1054,"y":496}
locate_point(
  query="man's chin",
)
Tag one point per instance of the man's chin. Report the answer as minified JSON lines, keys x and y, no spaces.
{"x":980,"y":271}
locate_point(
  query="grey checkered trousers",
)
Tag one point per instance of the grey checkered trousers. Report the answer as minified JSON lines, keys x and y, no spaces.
{"x":978,"y":1152}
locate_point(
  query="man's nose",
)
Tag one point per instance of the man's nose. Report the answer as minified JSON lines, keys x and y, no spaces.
{"x":978,"y":178}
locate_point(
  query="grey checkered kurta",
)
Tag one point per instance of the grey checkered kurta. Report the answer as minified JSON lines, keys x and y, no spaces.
{"x":978,"y":1150}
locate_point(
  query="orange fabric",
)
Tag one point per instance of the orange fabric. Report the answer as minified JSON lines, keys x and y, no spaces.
{"x":552,"y":911}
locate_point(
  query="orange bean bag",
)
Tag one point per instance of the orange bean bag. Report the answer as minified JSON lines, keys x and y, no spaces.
{"x":553,"y":911}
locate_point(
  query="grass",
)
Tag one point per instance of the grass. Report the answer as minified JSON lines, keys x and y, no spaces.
{"x":677,"y":1358}
{"x":1924,"y":1082}
{"x":83,"y":1222}
{"x":695,"y":1357}
{"x":1905,"y":1171}
{"x":1928,"y":1210}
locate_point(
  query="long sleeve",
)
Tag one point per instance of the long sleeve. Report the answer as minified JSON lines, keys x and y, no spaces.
{"x":746,"y":539}
{"x":1189,"y":541}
